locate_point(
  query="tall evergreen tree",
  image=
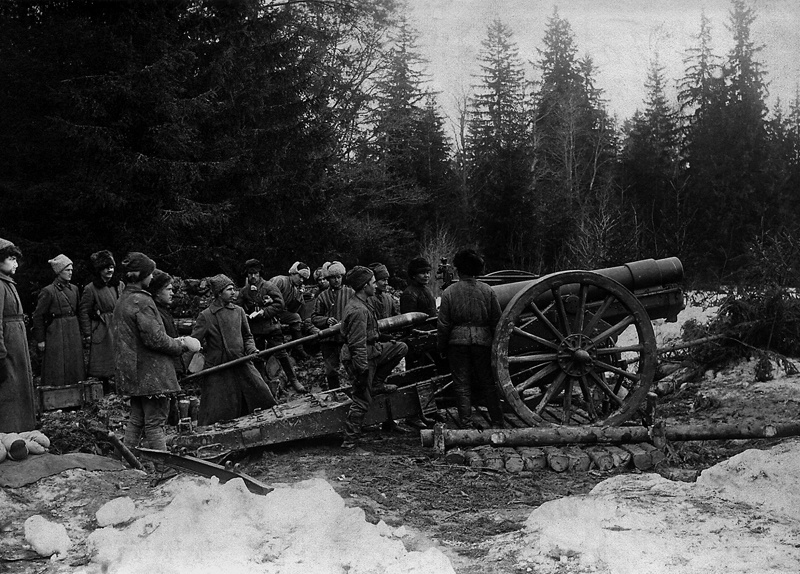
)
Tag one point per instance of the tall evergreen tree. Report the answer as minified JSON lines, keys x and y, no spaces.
{"x":498,"y":151}
{"x":726,"y":150}
{"x":574,"y":152}
{"x":651,"y":169}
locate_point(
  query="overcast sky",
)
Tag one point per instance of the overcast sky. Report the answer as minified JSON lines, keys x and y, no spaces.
{"x":621,"y":36}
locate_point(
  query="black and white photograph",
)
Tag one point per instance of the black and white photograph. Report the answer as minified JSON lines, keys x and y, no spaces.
{"x":399,"y":286}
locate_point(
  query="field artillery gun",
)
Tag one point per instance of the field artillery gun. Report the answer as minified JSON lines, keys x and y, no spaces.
{"x":572,"y":348}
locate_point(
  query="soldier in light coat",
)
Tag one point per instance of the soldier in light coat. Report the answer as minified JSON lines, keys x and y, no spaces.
{"x":17,"y":410}
{"x":144,"y":368}
{"x":95,"y":312}
{"x":56,"y":328}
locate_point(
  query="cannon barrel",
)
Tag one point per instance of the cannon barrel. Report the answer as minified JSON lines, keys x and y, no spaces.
{"x":634,"y":276}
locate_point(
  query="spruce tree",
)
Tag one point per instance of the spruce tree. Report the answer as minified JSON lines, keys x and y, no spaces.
{"x":497,"y":152}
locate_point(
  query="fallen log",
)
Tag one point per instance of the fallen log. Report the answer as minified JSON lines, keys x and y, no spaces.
{"x":553,"y":436}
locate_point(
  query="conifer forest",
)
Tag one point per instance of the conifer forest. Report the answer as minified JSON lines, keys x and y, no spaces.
{"x":207,"y":132}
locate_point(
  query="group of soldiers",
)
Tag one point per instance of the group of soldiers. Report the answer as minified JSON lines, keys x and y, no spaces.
{"x":131,"y":336}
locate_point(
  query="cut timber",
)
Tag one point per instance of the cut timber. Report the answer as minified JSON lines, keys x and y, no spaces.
{"x":556,"y":459}
{"x":578,"y":460}
{"x":455,"y":456}
{"x":493,"y":459}
{"x":656,"y":454}
{"x":601,"y":458}
{"x":473,"y":458}
{"x":621,"y":457}
{"x":533,"y":458}
{"x":553,"y":436}
{"x":512,"y":460}
{"x":641,"y":458}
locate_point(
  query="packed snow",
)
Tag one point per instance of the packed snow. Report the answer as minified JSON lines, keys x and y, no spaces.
{"x":210,"y":527}
{"x":741,"y":516}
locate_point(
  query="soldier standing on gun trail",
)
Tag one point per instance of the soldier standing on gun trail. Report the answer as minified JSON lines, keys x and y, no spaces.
{"x":328,"y":311}
{"x":263,"y":303}
{"x":468,"y":315}
{"x":290,"y":287}
{"x":223,"y":330}
{"x":368,"y":360}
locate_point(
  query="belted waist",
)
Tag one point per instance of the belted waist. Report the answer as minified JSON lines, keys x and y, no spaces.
{"x":13,"y":318}
{"x":62,"y":315}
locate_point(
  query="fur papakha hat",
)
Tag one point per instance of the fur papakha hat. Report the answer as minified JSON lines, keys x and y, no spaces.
{"x":380,"y":270}
{"x":138,"y":262}
{"x":301,"y":269}
{"x":334,"y":268}
{"x":467,"y":261}
{"x":160,"y":280}
{"x":102,"y":259}
{"x":358,"y":277}
{"x":418,"y":265}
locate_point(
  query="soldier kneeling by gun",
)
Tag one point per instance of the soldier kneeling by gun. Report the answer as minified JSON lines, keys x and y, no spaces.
{"x":368,"y":360}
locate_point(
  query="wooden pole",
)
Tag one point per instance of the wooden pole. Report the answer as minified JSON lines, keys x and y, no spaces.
{"x":384,"y":325}
{"x":551,"y":436}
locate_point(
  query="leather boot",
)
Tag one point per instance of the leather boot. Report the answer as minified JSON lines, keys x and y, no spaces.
{"x":332,"y":381}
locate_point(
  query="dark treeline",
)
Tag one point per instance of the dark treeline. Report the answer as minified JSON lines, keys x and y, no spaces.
{"x":206,"y":132}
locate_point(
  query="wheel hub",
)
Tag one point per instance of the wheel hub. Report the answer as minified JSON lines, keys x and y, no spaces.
{"x":576,"y":355}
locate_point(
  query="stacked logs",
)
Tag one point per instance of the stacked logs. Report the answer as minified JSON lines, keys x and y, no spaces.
{"x":642,"y":456}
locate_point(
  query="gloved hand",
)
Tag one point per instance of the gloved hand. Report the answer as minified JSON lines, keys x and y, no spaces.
{"x":190,"y":344}
{"x":255,"y":314}
{"x":332,"y":321}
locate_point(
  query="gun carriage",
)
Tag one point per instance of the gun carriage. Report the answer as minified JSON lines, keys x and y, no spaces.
{"x":572,"y":348}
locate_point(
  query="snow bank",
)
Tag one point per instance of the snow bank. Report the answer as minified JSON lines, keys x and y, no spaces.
{"x":211,"y":528}
{"x":742,"y":516}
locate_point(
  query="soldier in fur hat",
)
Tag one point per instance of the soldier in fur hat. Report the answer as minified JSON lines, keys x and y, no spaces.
{"x":95,"y":313}
{"x":225,"y":334}
{"x":368,"y":360}
{"x":468,"y":315}
{"x":328,"y":311}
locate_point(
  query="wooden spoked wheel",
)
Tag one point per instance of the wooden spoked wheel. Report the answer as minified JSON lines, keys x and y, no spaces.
{"x":558,"y":354}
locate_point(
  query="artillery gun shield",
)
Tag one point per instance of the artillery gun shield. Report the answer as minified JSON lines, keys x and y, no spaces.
{"x":557,"y":354}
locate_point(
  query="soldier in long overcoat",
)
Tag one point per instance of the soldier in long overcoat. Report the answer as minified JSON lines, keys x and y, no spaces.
{"x":95,"y":312}
{"x":56,"y":328}
{"x":144,"y":370}
{"x":17,"y":411}
{"x":223,"y":330}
